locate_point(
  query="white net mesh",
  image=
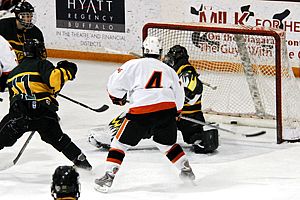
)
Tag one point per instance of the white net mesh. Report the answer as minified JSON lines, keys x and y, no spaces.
{"x":242,"y":63}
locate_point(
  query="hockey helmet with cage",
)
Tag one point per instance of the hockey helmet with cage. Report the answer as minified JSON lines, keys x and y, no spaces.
{"x":25,"y":14}
{"x":65,"y":183}
{"x":175,"y":54}
{"x":34,"y":48}
{"x":152,"y":47}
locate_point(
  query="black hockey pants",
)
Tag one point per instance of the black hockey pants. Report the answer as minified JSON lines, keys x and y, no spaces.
{"x":26,"y":116}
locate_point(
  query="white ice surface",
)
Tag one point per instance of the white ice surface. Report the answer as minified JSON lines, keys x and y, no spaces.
{"x":241,"y":169}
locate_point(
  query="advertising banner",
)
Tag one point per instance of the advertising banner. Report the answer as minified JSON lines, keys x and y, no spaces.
{"x":91,"y":15}
{"x":116,"y":25}
{"x":281,"y":15}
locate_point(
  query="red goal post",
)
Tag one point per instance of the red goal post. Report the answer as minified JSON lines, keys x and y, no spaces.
{"x":249,"y":66}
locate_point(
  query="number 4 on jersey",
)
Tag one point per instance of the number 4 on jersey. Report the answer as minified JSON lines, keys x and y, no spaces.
{"x":155,"y":80}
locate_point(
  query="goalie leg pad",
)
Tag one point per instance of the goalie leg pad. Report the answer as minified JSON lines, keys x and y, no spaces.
{"x":208,"y":142}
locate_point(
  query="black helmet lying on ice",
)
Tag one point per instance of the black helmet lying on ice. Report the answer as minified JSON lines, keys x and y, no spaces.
{"x":65,"y":183}
{"x":25,"y":14}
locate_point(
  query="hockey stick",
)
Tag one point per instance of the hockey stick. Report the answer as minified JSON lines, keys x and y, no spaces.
{"x":105,"y":146}
{"x":223,"y":129}
{"x":209,"y":85}
{"x":8,"y":165}
{"x":101,"y":109}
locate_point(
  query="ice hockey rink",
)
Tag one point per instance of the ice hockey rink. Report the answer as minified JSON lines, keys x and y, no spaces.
{"x":242,"y":168}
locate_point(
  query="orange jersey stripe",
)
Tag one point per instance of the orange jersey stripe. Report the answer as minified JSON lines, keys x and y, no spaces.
{"x":120,"y":131}
{"x":114,"y":160}
{"x":177,"y":157}
{"x":152,"y":108}
{"x":118,"y":150}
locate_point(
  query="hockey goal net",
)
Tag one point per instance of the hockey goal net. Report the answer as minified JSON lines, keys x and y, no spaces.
{"x":247,"y":65}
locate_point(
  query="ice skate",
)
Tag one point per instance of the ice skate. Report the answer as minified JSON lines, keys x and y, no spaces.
{"x":82,"y":163}
{"x":186,"y":173}
{"x":103,"y":184}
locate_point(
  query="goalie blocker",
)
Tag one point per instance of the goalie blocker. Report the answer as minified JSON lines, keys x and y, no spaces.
{"x":201,"y":143}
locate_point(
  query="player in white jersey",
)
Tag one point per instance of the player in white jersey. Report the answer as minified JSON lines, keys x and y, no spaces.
{"x":8,"y":61}
{"x":155,"y":96}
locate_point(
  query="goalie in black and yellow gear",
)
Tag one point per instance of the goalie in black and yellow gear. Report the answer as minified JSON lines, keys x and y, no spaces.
{"x":201,"y":141}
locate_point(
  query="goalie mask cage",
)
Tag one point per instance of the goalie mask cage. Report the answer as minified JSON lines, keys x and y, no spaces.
{"x":249,"y":66}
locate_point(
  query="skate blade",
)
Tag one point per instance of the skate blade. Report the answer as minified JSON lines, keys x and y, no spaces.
{"x":103,"y":189}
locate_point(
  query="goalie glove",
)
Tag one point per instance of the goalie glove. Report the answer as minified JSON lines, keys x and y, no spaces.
{"x":193,"y":87}
{"x":70,"y":67}
{"x":119,"y":101}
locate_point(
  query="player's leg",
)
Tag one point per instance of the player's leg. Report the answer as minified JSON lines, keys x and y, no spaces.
{"x":51,"y":133}
{"x":11,"y":129}
{"x":12,"y":126}
{"x":106,"y":134}
{"x":165,"y":136}
{"x":192,"y":133}
{"x":129,"y":135}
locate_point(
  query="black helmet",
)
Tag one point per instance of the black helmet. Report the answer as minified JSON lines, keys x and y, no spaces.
{"x":65,"y":182}
{"x":34,"y":48}
{"x":175,"y":54}
{"x":24,"y":12}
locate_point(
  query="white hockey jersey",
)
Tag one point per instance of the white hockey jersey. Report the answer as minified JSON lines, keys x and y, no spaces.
{"x":8,"y":59}
{"x":150,"y":85}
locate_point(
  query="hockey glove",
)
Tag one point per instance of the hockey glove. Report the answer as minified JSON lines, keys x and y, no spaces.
{"x":68,"y":66}
{"x":118,"y":101}
{"x":3,"y":79}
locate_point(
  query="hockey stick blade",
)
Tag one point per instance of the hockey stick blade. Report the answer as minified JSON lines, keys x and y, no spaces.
{"x":222,"y":129}
{"x":10,"y":164}
{"x":255,"y":134}
{"x":101,"y":109}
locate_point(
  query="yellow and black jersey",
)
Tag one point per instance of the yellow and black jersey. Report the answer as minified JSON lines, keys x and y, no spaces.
{"x":35,"y":79}
{"x":16,"y":37}
{"x":193,"y":88}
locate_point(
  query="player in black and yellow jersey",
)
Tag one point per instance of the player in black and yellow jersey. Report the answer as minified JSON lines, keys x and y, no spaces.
{"x":202,"y":141}
{"x":33,"y":86}
{"x":21,"y":27}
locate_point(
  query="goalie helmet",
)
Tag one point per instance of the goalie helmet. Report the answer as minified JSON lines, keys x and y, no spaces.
{"x":175,"y":54}
{"x":152,"y":47}
{"x":34,"y":48}
{"x":25,"y":14}
{"x":65,"y":182}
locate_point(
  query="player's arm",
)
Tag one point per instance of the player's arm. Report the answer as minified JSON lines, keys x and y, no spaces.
{"x":193,"y":87}
{"x":8,"y":61}
{"x":118,"y":85}
{"x":55,"y":77}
